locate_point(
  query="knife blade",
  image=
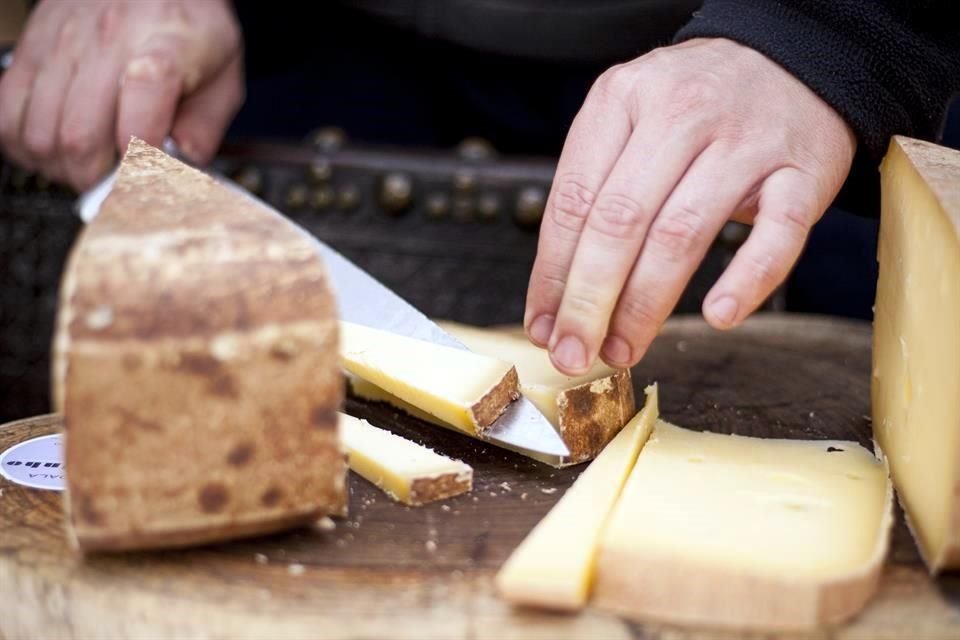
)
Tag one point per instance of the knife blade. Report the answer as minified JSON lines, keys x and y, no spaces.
{"x":364,"y":300}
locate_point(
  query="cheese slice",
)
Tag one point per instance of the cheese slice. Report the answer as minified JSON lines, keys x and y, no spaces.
{"x":588,"y":410}
{"x":916,"y":341}
{"x":741,"y":532}
{"x":466,"y":390}
{"x":404,"y":470}
{"x":554,"y":566}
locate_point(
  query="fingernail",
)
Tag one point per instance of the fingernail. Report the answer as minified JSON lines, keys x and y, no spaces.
{"x":724,"y":310}
{"x":570,"y":354}
{"x":541,"y":328}
{"x":616,"y":351}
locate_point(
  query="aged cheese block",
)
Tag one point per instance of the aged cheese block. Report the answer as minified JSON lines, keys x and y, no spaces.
{"x":466,"y":390}
{"x":406,"y":471}
{"x":730,"y":531}
{"x":916,"y":341}
{"x":196,"y":366}
{"x":588,"y":410}
{"x":553,"y":567}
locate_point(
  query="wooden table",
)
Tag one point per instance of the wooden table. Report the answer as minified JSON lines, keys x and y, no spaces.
{"x":377,"y":576}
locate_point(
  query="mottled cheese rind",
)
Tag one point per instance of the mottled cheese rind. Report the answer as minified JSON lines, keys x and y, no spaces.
{"x":747,"y":533}
{"x":916,"y":341}
{"x":554,"y":566}
{"x":467,"y":390}
{"x":406,"y":471}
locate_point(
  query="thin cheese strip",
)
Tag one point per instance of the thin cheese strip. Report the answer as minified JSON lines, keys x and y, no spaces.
{"x":404,"y":470}
{"x":464,"y":389}
{"x":748,"y":533}
{"x":553,"y":567}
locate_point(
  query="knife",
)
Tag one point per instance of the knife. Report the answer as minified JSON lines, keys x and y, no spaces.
{"x":361,"y":299}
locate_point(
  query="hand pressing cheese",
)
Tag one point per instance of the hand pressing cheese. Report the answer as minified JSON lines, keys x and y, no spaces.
{"x":406,"y":471}
{"x":741,"y":532}
{"x":588,"y":410}
{"x":196,"y":366}
{"x":466,"y":390}
{"x":916,"y":342}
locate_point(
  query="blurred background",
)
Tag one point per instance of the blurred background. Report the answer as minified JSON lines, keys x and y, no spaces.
{"x":418,"y":138}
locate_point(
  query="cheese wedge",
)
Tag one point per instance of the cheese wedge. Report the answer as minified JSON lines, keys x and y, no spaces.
{"x":554,"y":566}
{"x":196,"y":367}
{"x":588,"y":410}
{"x":404,"y":470}
{"x":466,"y":390}
{"x":916,"y":342}
{"x":749,"y":533}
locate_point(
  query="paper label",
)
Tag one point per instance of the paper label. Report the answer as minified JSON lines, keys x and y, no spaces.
{"x":36,"y":463}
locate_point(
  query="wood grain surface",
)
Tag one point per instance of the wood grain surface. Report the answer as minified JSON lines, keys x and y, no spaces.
{"x":390,"y":571}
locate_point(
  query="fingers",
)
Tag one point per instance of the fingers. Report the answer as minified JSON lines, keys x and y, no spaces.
{"x":675,"y":244}
{"x":202,"y":119}
{"x":15,"y":87}
{"x":788,"y":208}
{"x":649,"y":168}
{"x":149,"y":91}
{"x":594,"y":142}
{"x":43,"y":110}
{"x":86,"y":130}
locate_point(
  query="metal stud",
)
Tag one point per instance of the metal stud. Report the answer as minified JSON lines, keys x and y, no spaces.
{"x":321,"y":197}
{"x":463,"y":208}
{"x":531,"y":202}
{"x":396,"y":193}
{"x":488,"y":207}
{"x":328,"y":139}
{"x":733,"y":234}
{"x":250,"y":178}
{"x":320,"y":170}
{"x":296,"y":196}
{"x":475,"y":148}
{"x":348,"y":198}
{"x":438,"y":205}
{"x":464,"y":181}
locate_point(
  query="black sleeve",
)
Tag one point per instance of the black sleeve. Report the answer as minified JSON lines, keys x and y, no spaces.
{"x":887,"y":66}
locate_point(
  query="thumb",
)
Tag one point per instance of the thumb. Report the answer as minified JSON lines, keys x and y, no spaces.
{"x":203,"y":117}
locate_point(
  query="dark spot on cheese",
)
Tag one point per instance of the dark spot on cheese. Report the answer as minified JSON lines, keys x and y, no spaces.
{"x":222,"y":385}
{"x":271,"y":496}
{"x":581,"y":409}
{"x":132,"y":362}
{"x":213,"y":497}
{"x":241,"y":454}
{"x":87,"y":512}
{"x":130,"y":419}
{"x":200,"y":364}
{"x":323,"y":417}
{"x":832,"y":449}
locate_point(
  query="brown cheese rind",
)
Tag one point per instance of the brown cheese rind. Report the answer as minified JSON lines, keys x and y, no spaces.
{"x":424,"y":490}
{"x":495,"y":401}
{"x":592,"y":413}
{"x":195,"y":366}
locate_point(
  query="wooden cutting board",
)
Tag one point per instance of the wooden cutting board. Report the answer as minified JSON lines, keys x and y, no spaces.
{"x":422,"y":573}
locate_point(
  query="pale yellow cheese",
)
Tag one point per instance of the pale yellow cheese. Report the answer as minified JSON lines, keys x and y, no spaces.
{"x":554,"y":566}
{"x":405,"y":470}
{"x":916,"y":348}
{"x":464,"y":389}
{"x":745,"y":532}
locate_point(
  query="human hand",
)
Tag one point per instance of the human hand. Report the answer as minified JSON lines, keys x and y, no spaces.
{"x":665,"y":150}
{"x":88,"y":75}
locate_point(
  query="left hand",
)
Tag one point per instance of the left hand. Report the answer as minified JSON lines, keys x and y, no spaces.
{"x":665,"y":151}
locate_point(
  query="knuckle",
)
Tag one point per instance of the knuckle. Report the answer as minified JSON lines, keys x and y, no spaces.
{"x":151,"y":67}
{"x":765,"y":270}
{"x":38,"y":143}
{"x":677,"y":234}
{"x":617,"y":215}
{"x":795,"y":220}
{"x":108,"y":23}
{"x":581,"y":304}
{"x":633,"y":313}
{"x":77,"y":141}
{"x":571,"y":204}
{"x":615,"y":83}
{"x":699,"y":95}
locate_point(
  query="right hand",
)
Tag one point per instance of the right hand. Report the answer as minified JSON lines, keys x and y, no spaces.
{"x":88,"y":75}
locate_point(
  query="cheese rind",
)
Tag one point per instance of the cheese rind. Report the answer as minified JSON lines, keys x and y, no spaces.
{"x":916,"y":341}
{"x":554,"y":566}
{"x":404,"y":470}
{"x":467,"y":390}
{"x":747,"y":533}
{"x":195,"y":364}
{"x":587,"y":410}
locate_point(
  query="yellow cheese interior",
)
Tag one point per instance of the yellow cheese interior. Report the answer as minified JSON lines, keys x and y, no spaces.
{"x":916,"y":374}
{"x":780,"y":508}
{"x":443,"y":381}
{"x":391,"y":462}
{"x":539,"y":380}
{"x":554,"y":565}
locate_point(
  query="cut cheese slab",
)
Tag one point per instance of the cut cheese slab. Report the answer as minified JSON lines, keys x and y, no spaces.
{"x":554,"y":566}
{"x":404,"y":470}
{"x":916,"y":341}
{"x":466,"y":390}
{"x":731,"y":531}
{"x":588,"y":410}
{"x":195,"y":365}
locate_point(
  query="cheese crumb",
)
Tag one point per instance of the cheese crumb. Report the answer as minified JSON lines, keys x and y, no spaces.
{"x":505,"y":486}
{"x":325,"y":523}
{"x":259,"y":558}
{"x":295,"y":569}
{"x":430,"y":545}
{"x":549,"y":491}
{"x":523,"y":496}
{"x":445,"y":507}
